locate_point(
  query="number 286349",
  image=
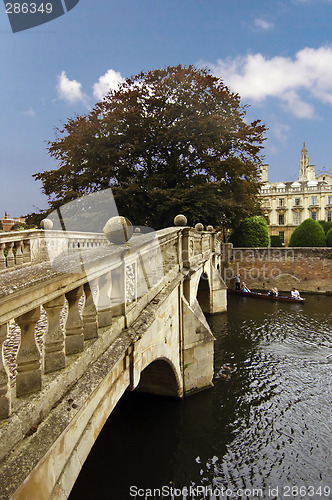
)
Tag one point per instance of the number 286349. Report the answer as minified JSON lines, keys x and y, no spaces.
{"x":29,"y":8}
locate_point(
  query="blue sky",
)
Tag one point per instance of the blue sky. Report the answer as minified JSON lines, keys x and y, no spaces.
{"x":276,"y":54}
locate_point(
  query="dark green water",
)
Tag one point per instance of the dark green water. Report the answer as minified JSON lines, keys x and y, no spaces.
{"x":263,"y":431}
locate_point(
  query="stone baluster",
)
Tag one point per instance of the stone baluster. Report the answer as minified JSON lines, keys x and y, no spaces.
{"x":90,"y":317}
{"x":10,"y":255}
{"x":5,"y":402}
{"x":26,"y":251}
{"x":19,"y":252}
{"x":74,"y":341}
{"x":54,"y":338}
{"x":28,"y":361}
{"x":2,"y":256}
{"x":104,"y":305}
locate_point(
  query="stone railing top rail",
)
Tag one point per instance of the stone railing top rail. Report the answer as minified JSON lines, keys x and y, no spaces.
{"x":8,"y":236}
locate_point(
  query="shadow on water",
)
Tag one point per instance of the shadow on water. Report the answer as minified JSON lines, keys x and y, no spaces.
{"x":265,"y":423}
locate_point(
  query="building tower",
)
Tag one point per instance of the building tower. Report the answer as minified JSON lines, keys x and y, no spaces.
{"x":264,"y":173}
{"x":307,"y":172}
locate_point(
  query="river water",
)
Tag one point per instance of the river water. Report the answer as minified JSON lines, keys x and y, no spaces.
{"x":263,"y":431}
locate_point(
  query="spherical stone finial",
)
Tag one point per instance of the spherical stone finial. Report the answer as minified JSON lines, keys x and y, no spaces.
{"x":137,"y":229}
{"x":209,"y":228}
{"x":180,"y":220}
{"x":46,"y":224}
{"x":118,"y":230}
{"x":199,"y":227}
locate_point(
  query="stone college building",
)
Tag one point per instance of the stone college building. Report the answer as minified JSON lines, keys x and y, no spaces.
{"x":287,"y":204}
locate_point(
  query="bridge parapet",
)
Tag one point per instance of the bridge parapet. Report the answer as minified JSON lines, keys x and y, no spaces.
{"x":28,"y":246}
{"x":77,"y":307}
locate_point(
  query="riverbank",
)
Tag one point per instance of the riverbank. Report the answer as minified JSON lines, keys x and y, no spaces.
{"x":307,"y":269}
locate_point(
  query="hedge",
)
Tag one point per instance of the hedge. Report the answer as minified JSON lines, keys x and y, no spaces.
{"x":308,"y":234}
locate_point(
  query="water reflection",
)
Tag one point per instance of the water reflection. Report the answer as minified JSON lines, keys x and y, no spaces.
{"x":265,"y":424}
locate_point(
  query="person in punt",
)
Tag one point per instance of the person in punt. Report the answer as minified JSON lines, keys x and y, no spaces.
{"x":244,"y":287}
{"x":295,"y":294}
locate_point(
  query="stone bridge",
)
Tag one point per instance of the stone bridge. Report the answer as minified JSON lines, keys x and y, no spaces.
{"x":84,"y":322}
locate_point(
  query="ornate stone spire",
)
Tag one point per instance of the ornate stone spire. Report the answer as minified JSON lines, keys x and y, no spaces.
{"x":304,"y":163}
{"x":307,"y":172}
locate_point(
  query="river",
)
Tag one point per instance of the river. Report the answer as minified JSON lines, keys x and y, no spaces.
{"x":262,"y":431}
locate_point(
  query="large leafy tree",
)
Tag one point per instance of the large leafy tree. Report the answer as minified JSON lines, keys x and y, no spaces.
{"x":168,"y":141}
{"x":252,"y":232}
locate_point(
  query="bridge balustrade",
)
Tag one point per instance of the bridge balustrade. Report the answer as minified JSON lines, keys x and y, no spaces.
{"x":23,"y":247}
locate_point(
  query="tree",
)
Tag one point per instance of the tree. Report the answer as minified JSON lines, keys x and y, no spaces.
{"x":326,"y":225}
{"x":308,"y":234}
{"x":329,"y":238}
{"x":168,"y":141}
{"x":252,"y":232}
{"x":275,"y":241}
{"x":33,"y":219}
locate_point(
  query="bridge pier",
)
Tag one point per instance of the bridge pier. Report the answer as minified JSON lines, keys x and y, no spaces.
{"x":198,"y":344}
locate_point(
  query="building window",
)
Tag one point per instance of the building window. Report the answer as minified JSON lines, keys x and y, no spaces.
{"x":314,"y":200}
{"x":329,"y":202}
{"x":297,"y":218}
{"x":297,"y":201}
{"x":281,"y":202}
{"x":314,"y":215}
{"x":329,"y":215}
{"x":281,"y":219}
{"x":282,"y":236}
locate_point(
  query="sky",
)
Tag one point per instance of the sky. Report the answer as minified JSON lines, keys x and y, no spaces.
{"x":277,"y":54}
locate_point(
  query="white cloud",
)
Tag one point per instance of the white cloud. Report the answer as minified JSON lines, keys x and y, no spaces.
{"x":70,"y":90}
{"x":297,"y":106}
{"x":29,"y":112}
{"x":262,"y":24}
{"x":257,"y":77}
{"x":110,"y":80}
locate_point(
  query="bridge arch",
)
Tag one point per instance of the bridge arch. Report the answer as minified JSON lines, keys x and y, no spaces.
{"x":203,"y":293}
{"x":160,"y":377}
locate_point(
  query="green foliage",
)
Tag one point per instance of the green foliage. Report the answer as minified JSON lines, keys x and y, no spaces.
{"x":22,"y":226}
{"x":252,"y":232}
{"x":168,"y":141}
{"x":18,"y":226}
{"x":308,"y":234}
{"x":326,"y":225}
{"x":33,"y":220}
{"x":275,"y":241}
{"x":329,"y":238}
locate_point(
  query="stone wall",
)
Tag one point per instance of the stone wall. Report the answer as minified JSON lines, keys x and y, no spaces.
{"x":308,"y":269}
